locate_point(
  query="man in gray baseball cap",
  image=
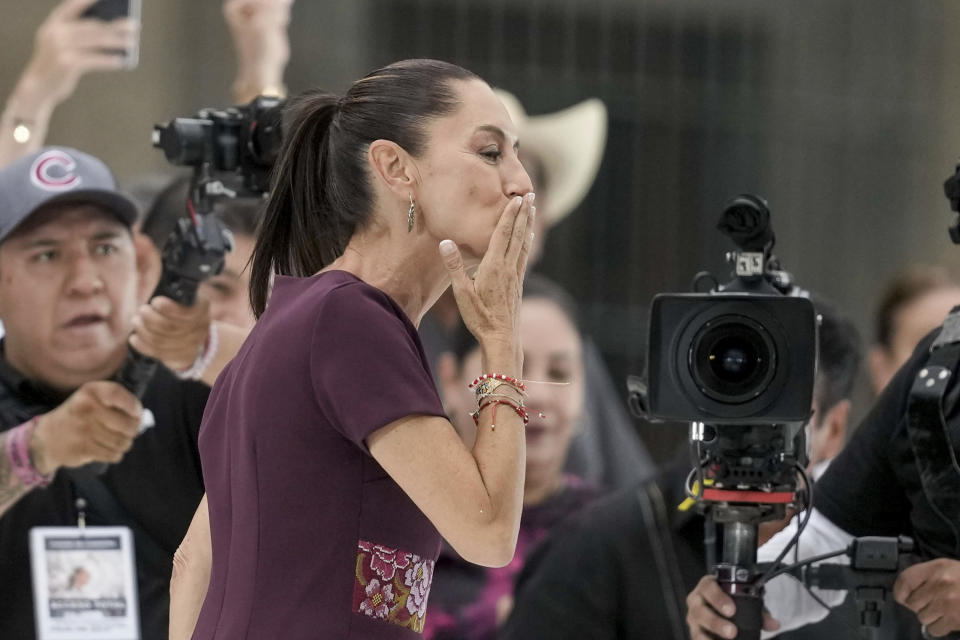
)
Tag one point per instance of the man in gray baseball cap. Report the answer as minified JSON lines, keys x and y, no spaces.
{"x":68,"y":299}
{"x":55,"y":175}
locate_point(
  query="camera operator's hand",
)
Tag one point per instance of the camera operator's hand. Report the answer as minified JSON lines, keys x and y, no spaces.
{"x":703,"y":605}
{"x":259,"y":32}
{"x":171,"y":333}
{"x":97,"y":423}
{"x":932,"y":591}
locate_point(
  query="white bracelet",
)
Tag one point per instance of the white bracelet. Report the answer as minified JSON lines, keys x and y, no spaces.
{"x":204,"y":358}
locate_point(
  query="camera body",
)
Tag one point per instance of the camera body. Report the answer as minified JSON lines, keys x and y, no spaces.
{"x":731,"y":358}
{"x":244,"y":139}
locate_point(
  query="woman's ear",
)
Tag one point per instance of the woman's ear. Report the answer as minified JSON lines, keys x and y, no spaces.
{"x":393,"y":166}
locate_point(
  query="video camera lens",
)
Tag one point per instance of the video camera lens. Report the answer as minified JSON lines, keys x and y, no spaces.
{"x":732,"y":359}
{"x":183,"y":140}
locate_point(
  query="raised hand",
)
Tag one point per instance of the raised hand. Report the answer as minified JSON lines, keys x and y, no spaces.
{"x":489,"y":302}
{"x":67,"y":46}
{"x":259,"y":32}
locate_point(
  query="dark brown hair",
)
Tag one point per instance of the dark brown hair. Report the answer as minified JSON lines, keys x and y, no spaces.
{"x":840,"y":355}
{"x":321,"y":191}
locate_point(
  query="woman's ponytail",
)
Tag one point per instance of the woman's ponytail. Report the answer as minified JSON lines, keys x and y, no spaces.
{"x":298,"y":235}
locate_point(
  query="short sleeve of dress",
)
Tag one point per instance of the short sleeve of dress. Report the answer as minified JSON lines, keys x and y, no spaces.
{"x":367,"y":365}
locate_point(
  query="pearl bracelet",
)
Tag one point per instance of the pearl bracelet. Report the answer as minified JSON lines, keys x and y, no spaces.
{"x":195,"y":371}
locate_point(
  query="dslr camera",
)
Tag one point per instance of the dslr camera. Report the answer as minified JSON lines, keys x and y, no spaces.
{"x":239,"y":145}
{"x":244,"y":139}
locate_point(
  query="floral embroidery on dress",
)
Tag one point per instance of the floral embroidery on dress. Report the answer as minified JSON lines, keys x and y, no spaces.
{"x":392,"y":585}
{"x":418,"y":578}
{"x":379,"y":599}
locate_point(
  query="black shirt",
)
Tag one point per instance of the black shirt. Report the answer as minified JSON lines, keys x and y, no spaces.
{"x":158,"y":483}
{"x":873,"y":487}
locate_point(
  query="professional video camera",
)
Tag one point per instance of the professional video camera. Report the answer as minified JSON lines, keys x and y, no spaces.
{"x":737,"y":362}
{"x":235,"y":144}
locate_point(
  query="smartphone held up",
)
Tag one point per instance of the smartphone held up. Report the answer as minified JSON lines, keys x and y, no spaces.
{"x":109,"y":10}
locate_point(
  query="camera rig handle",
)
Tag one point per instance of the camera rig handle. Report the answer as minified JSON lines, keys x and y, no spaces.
{"x":194,"y":252}
{"x":874,"y":565}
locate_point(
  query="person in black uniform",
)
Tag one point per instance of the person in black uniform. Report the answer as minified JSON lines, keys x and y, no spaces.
{"x":68,"y":297}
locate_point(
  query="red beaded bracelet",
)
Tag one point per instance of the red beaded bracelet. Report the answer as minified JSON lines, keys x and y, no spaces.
{"x":519,"y":409}
{"x":498,"y":376}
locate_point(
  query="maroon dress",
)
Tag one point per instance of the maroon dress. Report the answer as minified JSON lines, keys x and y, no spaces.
{"x":311,"y":537}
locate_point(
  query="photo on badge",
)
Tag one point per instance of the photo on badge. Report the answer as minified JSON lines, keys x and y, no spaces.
{"x":84,"y":583}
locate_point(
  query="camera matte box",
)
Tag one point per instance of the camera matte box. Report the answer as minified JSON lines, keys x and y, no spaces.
{"x":675,"y":322}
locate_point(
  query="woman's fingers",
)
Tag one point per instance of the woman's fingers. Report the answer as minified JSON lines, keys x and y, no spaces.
{"x":453,"y":261}
{"x":524,"y":257}
{"x":504,"y":231}
{"x":521,"y":227}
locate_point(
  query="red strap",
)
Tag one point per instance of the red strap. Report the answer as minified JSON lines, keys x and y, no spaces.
{"x":759,"y":497}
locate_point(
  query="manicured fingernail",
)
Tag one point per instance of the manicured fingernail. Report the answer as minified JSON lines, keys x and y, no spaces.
{"x":728,"y":610}
{"x":531,"y":197}
{"x":518,"y":200}
{"x":729,"y":630}
{"x":447,"y":247}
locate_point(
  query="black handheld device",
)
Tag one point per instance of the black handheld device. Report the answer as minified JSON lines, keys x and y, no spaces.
{"x":108,"y":10}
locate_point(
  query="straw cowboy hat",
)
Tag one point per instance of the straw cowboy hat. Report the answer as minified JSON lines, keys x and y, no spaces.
{"x":568,"y":144}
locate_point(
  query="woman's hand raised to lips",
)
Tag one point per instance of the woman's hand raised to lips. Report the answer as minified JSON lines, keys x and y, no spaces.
{"x":489,"y":302}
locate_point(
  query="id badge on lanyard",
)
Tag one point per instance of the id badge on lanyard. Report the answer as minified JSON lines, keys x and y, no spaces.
{"x":84,"y":583}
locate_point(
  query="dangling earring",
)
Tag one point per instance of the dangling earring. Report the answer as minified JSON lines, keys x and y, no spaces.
{"x":411,"y":213}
